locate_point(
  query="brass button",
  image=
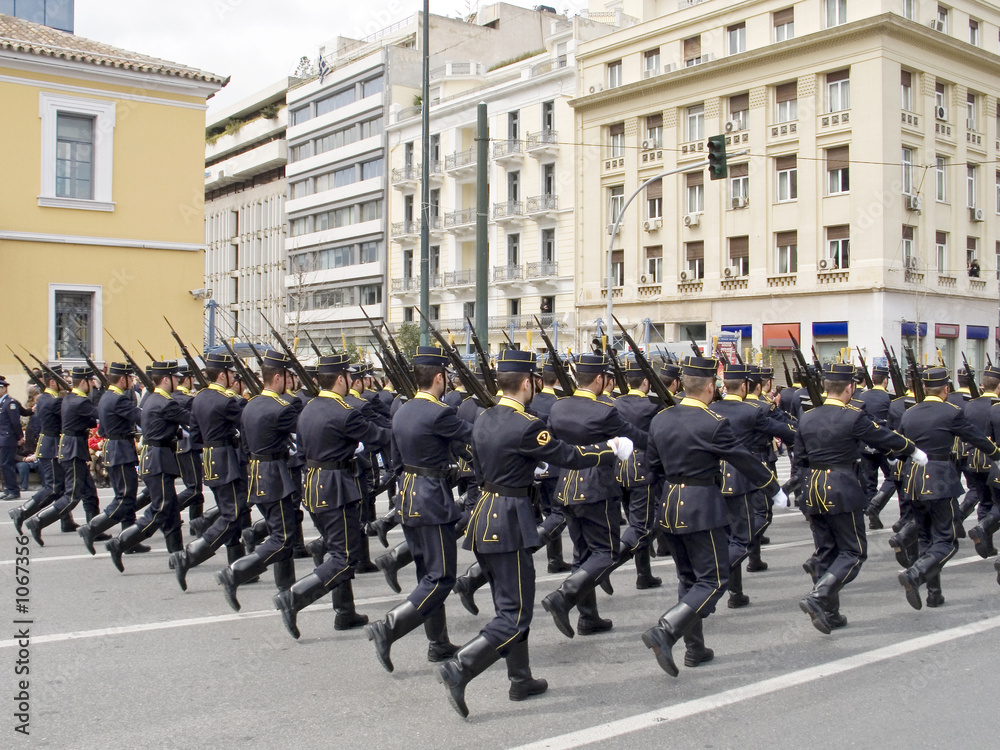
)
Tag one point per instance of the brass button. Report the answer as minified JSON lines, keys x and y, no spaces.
{"x":728,"y":474}
{"x":494,"y":536}
{"x":829,"y":487}
{"x":494,"y":515}
{"x":682,"y":502}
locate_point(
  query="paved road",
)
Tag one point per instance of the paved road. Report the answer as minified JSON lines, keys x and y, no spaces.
{"x":122,"y":661}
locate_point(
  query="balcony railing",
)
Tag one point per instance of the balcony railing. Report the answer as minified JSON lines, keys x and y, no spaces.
{"x":403,"y":228}
{"x":508,"y":208}
{"x":538,"y":203}
{"x":520,"y":322}
{"x":406,"y":284}
{"x":508,"y":273}
{"x":458,"y":218}
{"x":541,"y":139}
{"x":405,"y":174}
{"x":460,"y":159}
{"x":540,"y":270}
{"x":460,"y":278}
{"x":506,"y":148}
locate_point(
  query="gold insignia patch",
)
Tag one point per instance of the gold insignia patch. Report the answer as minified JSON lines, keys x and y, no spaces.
{"x":544,"y":437}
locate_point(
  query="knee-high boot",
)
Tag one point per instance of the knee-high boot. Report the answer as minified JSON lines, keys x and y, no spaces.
{"x":590,"y":621}
{"x":467,"y":585}
{"x":522,"y":684}
{"x":365,"y":564}
{"x":562,"y":600}
{"x":875,"y":507}
{"x":694,"y":641}
{"x":754,"y":563}
{"x":737,"y":598}
{"x":382,"y":525}
{"x":30,"y":508}
{"x":194,"y":554}
{"x":284,"y":574}
{"x":317,"y":548}
{"x":398,"y":622}
{"x":670,"y":629}
{"x":296,"y":598}
{"x":346,"y":617}
{"x":392,"y":562}
{"x":439,"y":647}
{"x":47,"y":517}
{"x":199,"y":524}
{"x":240,"y":572}
{"x":935,"y":598}
{"x":93,"y":530}
{"x":817,"y":603}
{"x":474,"y":658}
{"x":125,"y":541}
{"x":644,"y":572}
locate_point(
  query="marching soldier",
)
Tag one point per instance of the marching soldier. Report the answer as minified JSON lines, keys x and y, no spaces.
{"x":877,"y":403}
{"x":827,"y":449}
{"x":686,"y":444}
{"x":162,"y":418}
{"x":189,"y":453}
{"x":982,"y":414}
{"x":553,"y":520}
{"x":367,"y":461}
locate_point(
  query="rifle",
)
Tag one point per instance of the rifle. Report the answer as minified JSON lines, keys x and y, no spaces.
{"x":401,"y":362}
{"x":895,"y":374}
{"x":864,"y":368}
{"x":816,"y":363}
{"x":695,"y":348}
{"x":918,"y":384}
{"x":616,"y":368}
{"x":313,"y":345}
{"x":97,"y":372}
{"x":655,"y":384}
{"x":53,"y":375}
{"x":247,"y":376}
{"x":815,"y":392}
{"x":989,"y":362}
{"x":400,"y":375}
{"x":973,"y":387}
{"x":565,"y":381}
{"x":484,"y":361}
{"x":192,"y":364}
{"x":510,"y":343}
{"x":140,"y":374}
{"x":30,"y":373}
{"x":469,"y":380}
{"x":307,"y":382}
{"x":142,"y":346}
{"x":788,"y":375}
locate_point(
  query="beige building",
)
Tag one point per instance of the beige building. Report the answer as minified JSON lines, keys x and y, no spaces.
{"x":870,"y":187}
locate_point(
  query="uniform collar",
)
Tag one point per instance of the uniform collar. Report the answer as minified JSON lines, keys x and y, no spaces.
{"x":688,"y":401}
{"x":933,"y":398}
{"x":425,"y":396}
{"x":549,"y":390}
{"x":116,"y":389}
{"x":356,"y":394}
{"x":636,"y":392}
{"x":217,"y":387}
{"x":269,"y":392}
{"x":512,"y":403}
{"x":183,"y":389}
{"x":752,"y":397}
{"x":54,"y":394}
{"x":331,"y":394}
{"x":729,"y":397}
{"x":81,"y":394}
{"x":833,"y":402}
{"x":584,"y":394}
{"x":162,"y":393}
{"x":879,"y":388}
{"x":962,"y":390}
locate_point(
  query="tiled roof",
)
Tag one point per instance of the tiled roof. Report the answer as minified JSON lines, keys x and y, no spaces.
{"x":24,"y":36}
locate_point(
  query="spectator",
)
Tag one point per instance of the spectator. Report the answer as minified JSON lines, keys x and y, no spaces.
{"x":24,"y":464}
{"x":974,"y":269}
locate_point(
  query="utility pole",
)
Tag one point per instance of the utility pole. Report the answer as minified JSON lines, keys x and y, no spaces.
{"x":482,"y":216}
{"x":425,"y":183}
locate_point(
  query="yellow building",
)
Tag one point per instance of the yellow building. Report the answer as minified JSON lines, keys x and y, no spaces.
{"x":102,"y":205}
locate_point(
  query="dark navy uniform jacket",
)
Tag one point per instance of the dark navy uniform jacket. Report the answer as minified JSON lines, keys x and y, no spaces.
{"x":10,"y":421}
{"x":367,"y":461}
{"x":329,"y":431}
{"x":687,"y":442}
{"x":468,"y":410}
{"x":541,"y":404}
{"x":455,"y":398}
{"x":584,"y":419}
{"x":188,"y":441}
{"x":754,"y":429}
{"x":507,"y":444}
{"x":978,"y":412}
{"x":635,"y":408}
{"x":897,"y":408}
{"x":78,"y":415}
{"x":790,"y":404}
{"x":215,"y":423}
{"x":268,"y":423}
{"x":162,"y":417}
{"x":933,"y":425}
{"x":118,"y":417}
{"x":827,"y":446}
{"x":877,"y":402}
{"x":48,"y":410}
{"x":425,"y":434}
{"x":379,"y":407}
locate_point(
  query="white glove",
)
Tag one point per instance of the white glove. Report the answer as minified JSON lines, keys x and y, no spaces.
{"x":919,"y":457}
{"x":892,"y":462}
{"x":542,"y":468}
{"x":780,"y":499}
{"x":622,"y":446}
{"x":360,"y":449}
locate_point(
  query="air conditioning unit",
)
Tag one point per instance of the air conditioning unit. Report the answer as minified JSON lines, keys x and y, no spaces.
{"x":668,"y":68}
{"x":733,"y":126}
{"x":731,"y":272}
{"x":941,"y":113}
{"x":913,"y":202}
{"x":611,"y":227}
{"x":596,"y":88}
{"x":977,"y":214}
{"x":651,"y":225}
{"x":642,"y":279}
{"x":936,"y":25}
{"x":741,"y":202}
{"x":706,"y":57}
{"x":648,"y":144}
{"x":910,"y":262}
{"x":648,"y":73}
{"x":692,"y":220}
{"x":823,"y":264}
{"x":685,"y":276}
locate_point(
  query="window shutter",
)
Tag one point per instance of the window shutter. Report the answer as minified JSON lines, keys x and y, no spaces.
{"x":695,"y":250}
{"x":654,"y":251}
{"x":839,"y":75}
{"x":654,"y":121}
{"x":739,"y":247}
{"x":838,"y":158}
{"x":907,"y":233}
{"x":785,"y":162}
{"x":841,"y":232}
{"x":906,"y":78}
{"x":941,"y":238}
{"x":617,"y":129}
{"x":739,"y":170}
{"x":739,"y":102}
{"x":692,"y":47}
{"x":617,"y":256}
{"x":655,"y":190}
{"x":786,"y":15}
{"x":695,"y":178}
{"x":787,"y":238}
{"x":786,"y":92}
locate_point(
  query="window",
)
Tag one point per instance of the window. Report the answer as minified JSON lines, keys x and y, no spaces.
{"x":548,"y":246}
{"x":787,"y":177}
{"x":974,"y":32}
{"x":654,"y":207}
{"x":654,"y":131}
{"x":335,"y":101}
{"x":344,"y":176}
{"x":692,"y":51}
{"x":617,"y":267}
{"x":371,"y":294}
{"x":369,"y":252}
{"x":836,"y":12}
{"x":547,"y":305}
{"x":408,"y":154}
{"x":513,"y":307}
{"x":616,"y":196}
{"x":787,"y":255}
{"x":739,"y":254}
{"x":910,"y":9}
{"x":434,"y":204}
{"x":941,"y":179}
{"x":407,"y":208}
{"x":694,"y":252}
{"x":906,"y":90}
{"x":616,"y":139}
{"x":838,"y":170}
{"x":970,"y":185}
{"x":942,"y":19}
{"x":784,"y":24}
{"x":695,"y":122}
{"x":971,"y":249}
{"x":513,"y":249}
{"x":907,"y":166}
{"x":941,"y":98}
{"x":695,"y":192}
{"x":371,"y":128}
{"x":407,"y":314}
{"x":300,"y":115}
{"x":941,"y":245}
{"x":371,"y":210}
{"x":335,"y":257}
{"x":514,"y":185}
{"x":548,"y":179}
{"x":548,"y":116}
{"x":74,"y":315}
{"x":77,"y":150}
{"x":469,"y":311}
{"x":654,"y":264}
{"x":299,"y":227}
{"x":408,"y":263}
{"x":434,"y":260}
{"x":838,"y":91}
{"x":651,"y":62}
{"x":909,"y":256}
{"x":299,"y":189}
{"x":739,"y":182}
{"x":786,"y":104}
{"x":372,"y":169}
{"x":739,"y":110}
{"x":514,"y":125}
{"x":971,"y":114}
{"x":614,"y":74}
{"x":838,"y":240}
{"x":737,"y":38}
{"x":998,"y":191}
{"x":372,"y":86}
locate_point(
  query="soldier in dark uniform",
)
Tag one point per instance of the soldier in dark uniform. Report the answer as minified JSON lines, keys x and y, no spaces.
{"x":117,"y":418}
{"x":591,"y":497}
{"x":329,"y":431}
{"x":877,"y":403}
{"x":269,"y":420}
{"x":367,"y":460}
{"x":189,"y":453}
{"x":216,"y":412}
{"x":827,"y":447}
{"x":687,"y":442}
{"x":553,"y":519}
{"x":508,"y":444}
{"x":11,"y":435}
{"x":162,"y":419}
{"x":78,"y":415}
{"x":981,"y":413}
{"x":933,"y":425}
{"x":424,"y":433}
{"x":48,"y":410}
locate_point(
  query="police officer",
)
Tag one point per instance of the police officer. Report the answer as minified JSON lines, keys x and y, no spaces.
{"x":686,"y":444}
{"x":329,"y":431}
{"x":827,"y":448}
{"x":162,"y":420}
{"x":117,"y":421}
{"x":11,"y":435}
{"x":933,"y":425}
{"x":269,"y":420}
{"x":425,"y":431}
{"x":508,"y":443}
{"x":981,"y":413}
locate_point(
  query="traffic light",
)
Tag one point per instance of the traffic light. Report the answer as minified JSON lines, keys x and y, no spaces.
{"x":717,"y":169}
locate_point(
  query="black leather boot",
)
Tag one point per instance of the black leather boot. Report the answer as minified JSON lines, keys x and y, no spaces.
{"x":174,"y":541}
{"x":554,"y":553}
{"x":37,"y":503}
{"x":46,"y":517}
{"x":522,"y":684}
{"x":590,"y":621}
{"x":194,"y":554}
{"x":875,"y":506}
{"x":982,"y":540}
{"x":439,"y":648}
{"x":833,"y":615}
{"x":737,"y":598}
{"x":935,"y":597}
{"x":253,"y":535}
{"x":299,"y":596}
{"x":317,"y":548}
{"x":346,"y":617}
{"x":66,"y":523}
{"x":130,"y":537}
{"x":754,"y":563}
{"x":474,"y":658}
{"x":398,"y":622}
{"x":135,"y":549}
{"x":902,"y":544}
{"x":392,"y":562}
{"x":142,"y":499}
{"x":365,"y":564}
{"x":93,"y":531}
{"x":467,"y":585}
{"x":694,"y":641}
{"x":910,"y":579}
{"x":240,"y":572}
{"x":644,"y":572}
{"x":968,"y":504}
{"x":562,"y":600}
{"x":816,"y":603}
{"x":382,"y":525}
{"x":670,"y":629}
{"x":809,"y":566}
{"x":662,"y":545}
{"x":284,"y":574}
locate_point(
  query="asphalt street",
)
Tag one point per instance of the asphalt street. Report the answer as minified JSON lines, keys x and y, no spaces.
{"x":129,"y":660}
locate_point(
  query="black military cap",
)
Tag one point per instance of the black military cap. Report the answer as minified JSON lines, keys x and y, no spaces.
{"x":935,"y":377}
{"x":670,"y":371}
{"x":334,"y":364}
{"x":119,"y":370}
{"x":963,"y":378}
{"x":755,"y":374}
{"x":311,"y":369}
{"x":632,"y":368}
{"x":766,"y":373}
{"x":736,"y":371}
{"x":514,"y":360}
{"x":839,"y":372}
{"x":80,"y":372}
{"x":702,"y":367}
{"x":598,"y":363}
{"x":276,"y":359}
{"x":991,"y":371}
{"x":880,"y":370}
{"x":159,"y":369}
{"x":431,"y":356}
{"x":219,"y":361}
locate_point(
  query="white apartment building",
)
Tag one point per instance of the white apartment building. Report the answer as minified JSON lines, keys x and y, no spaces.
{"x":871,"y":183}
{"x":245,"y":156}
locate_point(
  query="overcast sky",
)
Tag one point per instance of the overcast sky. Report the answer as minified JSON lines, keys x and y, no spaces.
{"x":256,"y":42}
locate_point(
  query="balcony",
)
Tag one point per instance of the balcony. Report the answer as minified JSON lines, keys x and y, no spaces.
{"x":403,"y":229}
{"x":834,"y":120}
{"x":784,"y":279}
{"x":910,"y":120}
{"x":246,"y":165}
{"x":464,"y":217}
{"x":542,"y":144}
{"x":541,"y":270}
{"x":542,"y":206}
{"x":508,"y":273}
{"x":508,"y":211}
{"x":692,"y":150}
{"x":521,"y":322}
{"x":406,"y":284}
{"x":405,"y":178}
{"x":459,"y":278}
{"x":509,"y":151}
{"x":461,"y":164}
{"x":784,"y":130}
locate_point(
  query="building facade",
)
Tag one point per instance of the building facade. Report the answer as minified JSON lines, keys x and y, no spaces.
{"x":868,"y":189}
{"x":108,"y":230}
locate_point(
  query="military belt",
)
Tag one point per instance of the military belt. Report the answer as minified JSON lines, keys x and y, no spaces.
{"x":939,"y":456}
{"x":268,"y":456}
{"x":74,"y":433}
{"x":831,"y":467}
{"x":331,"y":465}
{"x":693,"y":481}
{"x":50,"y":434}
{"x":499,"y":489}
{"x":121,"y":437}
{"x":160,"y":443}
{"x":231,"y":443}
{"x":424,"y":471}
